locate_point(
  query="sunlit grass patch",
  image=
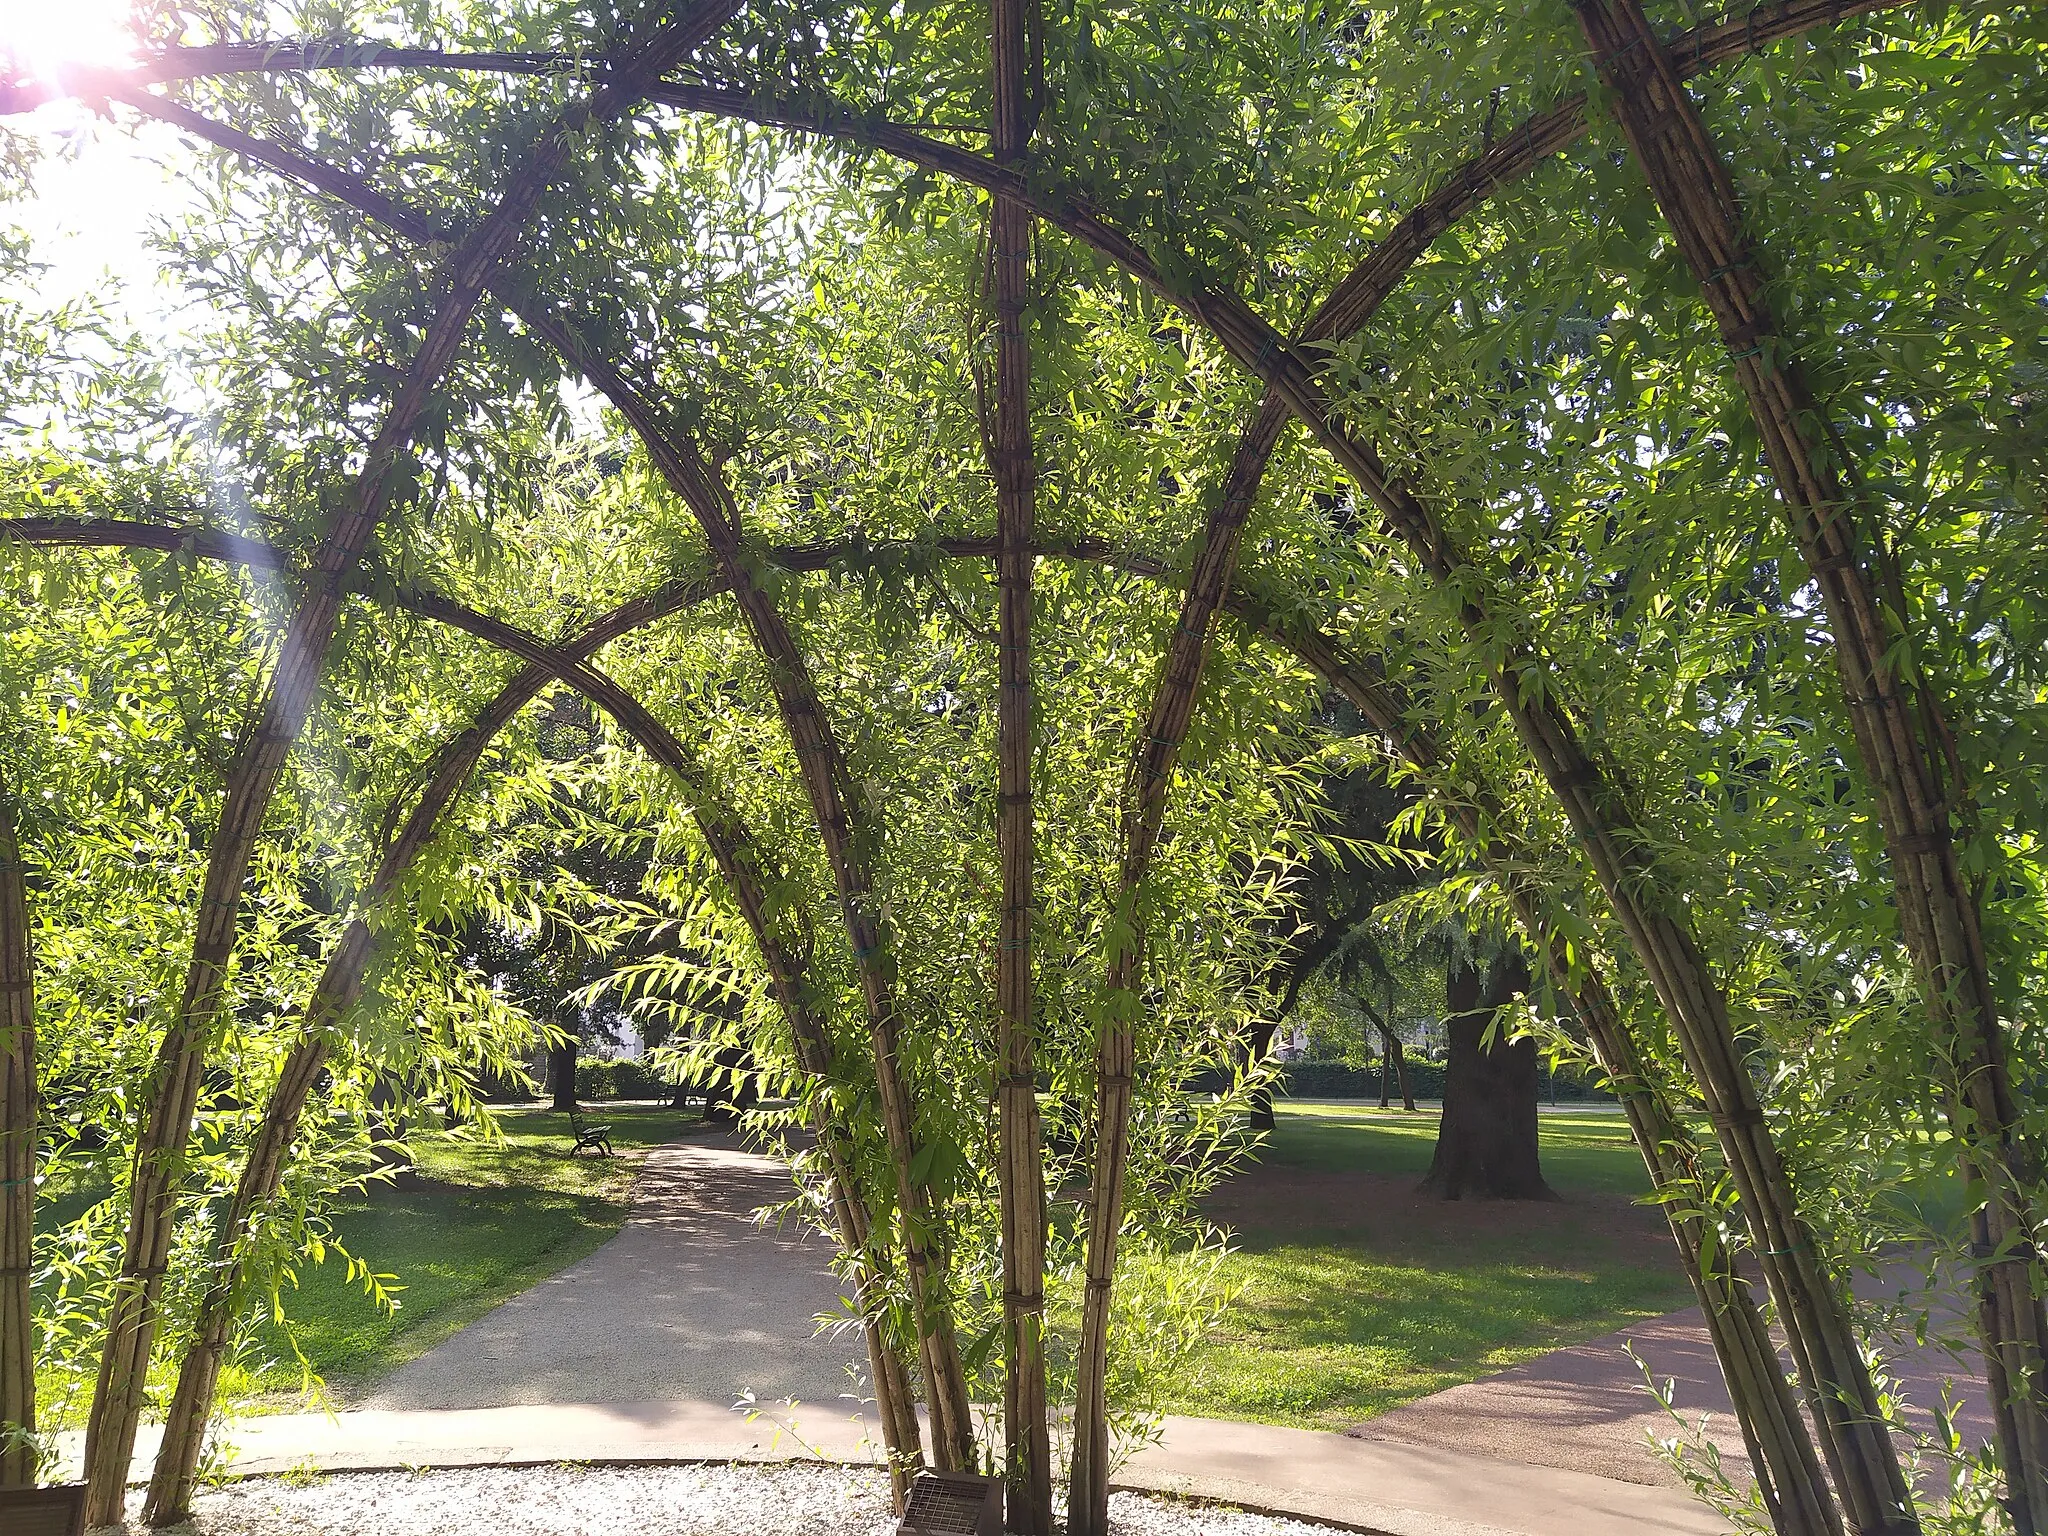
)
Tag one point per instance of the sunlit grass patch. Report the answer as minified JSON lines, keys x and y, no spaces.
{"x":1335,"y":1324}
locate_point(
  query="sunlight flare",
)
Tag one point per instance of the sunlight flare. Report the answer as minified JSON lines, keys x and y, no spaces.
{"x":42,"y":39}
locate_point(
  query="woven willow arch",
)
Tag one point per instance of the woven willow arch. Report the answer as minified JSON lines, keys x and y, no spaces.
{"x":1655,"y":113}
{"x":1781,"y":1450}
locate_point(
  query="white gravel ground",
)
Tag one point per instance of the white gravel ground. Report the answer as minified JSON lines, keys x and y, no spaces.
{"x":790,"y":1500}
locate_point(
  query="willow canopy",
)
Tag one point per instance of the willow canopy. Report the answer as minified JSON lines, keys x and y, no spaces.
{"x":940,"y":460}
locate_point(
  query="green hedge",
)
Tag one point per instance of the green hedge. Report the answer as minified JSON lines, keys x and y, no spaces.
{"x":598,"y":1079}
{"x":1334,"y":1080}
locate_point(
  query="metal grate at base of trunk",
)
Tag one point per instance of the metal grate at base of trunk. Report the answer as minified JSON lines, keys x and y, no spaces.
{"x":57,"y":1510}
{"x":953,"y":1504}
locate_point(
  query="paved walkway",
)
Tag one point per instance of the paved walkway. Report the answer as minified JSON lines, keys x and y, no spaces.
{"x":639,"y":1352}
{"x":692,"y":1300}
{"x":1586,"y":1407}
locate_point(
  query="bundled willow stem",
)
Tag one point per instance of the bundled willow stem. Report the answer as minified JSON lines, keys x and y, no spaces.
{"x":1896,"y":714}
{"x":1902,"y":741}
{"x":1144,"y":810}
{"x":1013,"y":464}
{"x":1811,"y":1300}
{"x":849,"y":850}
{"x":682,"y":467}
{"x":18,"y":1128}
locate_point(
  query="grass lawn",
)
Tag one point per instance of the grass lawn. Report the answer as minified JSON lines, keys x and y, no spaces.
{"x":1358,"y":1296}
{"x":483,"y":1223}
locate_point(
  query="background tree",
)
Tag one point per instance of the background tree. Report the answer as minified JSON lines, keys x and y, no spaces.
{"x":1486,"y":1144}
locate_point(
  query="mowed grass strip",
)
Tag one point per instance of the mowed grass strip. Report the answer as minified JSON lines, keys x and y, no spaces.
{"x":485,"y":1221}
{"x":1356,"y":1296}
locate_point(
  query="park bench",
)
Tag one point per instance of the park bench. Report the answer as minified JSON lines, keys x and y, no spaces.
{"x":58,"y":1510}
{"x":953,"y":1504}
{"x":596,"y":1137}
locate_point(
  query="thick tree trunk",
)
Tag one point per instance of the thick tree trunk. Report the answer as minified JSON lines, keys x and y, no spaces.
{"x":173,"y":1089}
{"x":1392,"y":1051}
{"x":1901,"y":739}
{"x":1013,"y":462}
{"x":1486,"y":1146}
{"x":562,"y":1074}
{"x":1261,"y":1041}
{"x":18,"y":1127}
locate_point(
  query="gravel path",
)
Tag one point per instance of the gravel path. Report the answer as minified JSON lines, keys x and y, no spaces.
{"x":690,"y":1300}
{"x":638,"y":1501}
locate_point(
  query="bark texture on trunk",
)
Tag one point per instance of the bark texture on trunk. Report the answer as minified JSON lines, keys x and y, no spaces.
{"x":1901,"y":737}
{"x":562,"y":1074}
{"x":172,"y":1093}
{"x":1012,"y":458}
{"x":1255,"y":1050}
{"x":18,"y":1128}
{"x":1486,"y":1145}
{"x":174,"y":1478}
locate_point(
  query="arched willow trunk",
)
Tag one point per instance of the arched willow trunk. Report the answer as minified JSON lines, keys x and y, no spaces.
{"x":173,"y":1482}
{"x":850,"y":848}
{"x":1812,"y":1301}
{"x":173,"y":1088}
{"x":1901,"y":738}
{"x":18,"y":1106}
{"x":1596,"y":801}
{"x":1780,"y":1446}
{"x":823,"y":769}
{"x":1144,"y":809}
{"x":1789,"y":1478}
